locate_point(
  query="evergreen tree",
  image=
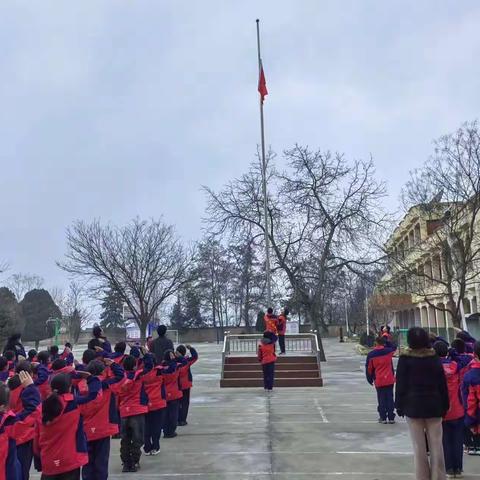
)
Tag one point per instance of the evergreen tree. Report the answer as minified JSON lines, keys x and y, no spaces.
{"x":112,"y":314}
{"x":37,"y":307}
{"x":193,"y":316}
{"x":178,"y":319}
{"x":11,"y":320}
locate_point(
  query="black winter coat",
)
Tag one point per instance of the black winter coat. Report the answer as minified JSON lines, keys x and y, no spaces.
{"x":160,"y":346}
{"x":421,"y":390}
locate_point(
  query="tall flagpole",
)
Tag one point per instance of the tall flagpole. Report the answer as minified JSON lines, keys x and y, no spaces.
{"x":264,"y":181}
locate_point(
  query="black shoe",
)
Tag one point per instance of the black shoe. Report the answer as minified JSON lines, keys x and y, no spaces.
{"x":126,"y":468}
{"x":182,"y":424}
{"x":137,"y":466}
{"x":134,"y":468}
{"x":171,"y":435}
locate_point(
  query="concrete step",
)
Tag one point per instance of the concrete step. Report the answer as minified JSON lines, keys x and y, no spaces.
{"x":234,"y":367}
{"x":279,"y":382}
{"x":280,"y":359}
{"x":255,"y":374}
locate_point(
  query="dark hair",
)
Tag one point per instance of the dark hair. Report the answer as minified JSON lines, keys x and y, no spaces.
{"x":161,"y":330}
{"x":88,"y":356}
{"x":181,"y":349}
{"x":94,"y":342}
{"x":43,"y":357}
{"x":58,"y":364}
{"x":476,"y":349}
{"x":32,"y":354}
{"x":464,"y":336}
{"x":270,"y":310}
{"x":54,"y":350}
{"x":418,"y":338}
{"x":381,"y":341}
{"x":120,"y":347}
{"x":459,"y":345}
{"x":3,"y":363}
{"x":9,"y":355}
{"x":95,"y":368}
{"x":97,"y":331}
{"x":52,"y":406}
{"x":4,"y":394}
{"x":166,"y":355}
{"x":441,"y":348}
{"x":129,"y":363}
{"x":286,"y":311}
{"x":68,"y":345}
{"x":23,"y":366}
{"x":387,"y":328}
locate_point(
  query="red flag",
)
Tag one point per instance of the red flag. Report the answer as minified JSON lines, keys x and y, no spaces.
{"x":262,"y":84}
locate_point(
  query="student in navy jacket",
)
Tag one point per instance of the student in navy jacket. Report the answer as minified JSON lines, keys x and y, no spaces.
{"x":379,"y":371}
{"x":10,"y":468}
{"x":186,"y":380}
{"x":471,"y":399}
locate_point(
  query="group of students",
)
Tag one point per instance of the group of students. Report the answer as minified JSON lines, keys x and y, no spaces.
{"x":275,"y":329}
{"x":60,"y":413}
{"x":437,"y":390}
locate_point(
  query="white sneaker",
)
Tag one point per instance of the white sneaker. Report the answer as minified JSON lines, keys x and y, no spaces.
{"x":154,"y":452}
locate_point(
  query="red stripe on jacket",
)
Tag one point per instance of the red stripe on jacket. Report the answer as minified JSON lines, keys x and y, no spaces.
{"x":131,"y":394}
{"x":452,"y":374}
{"x":185,"y":376}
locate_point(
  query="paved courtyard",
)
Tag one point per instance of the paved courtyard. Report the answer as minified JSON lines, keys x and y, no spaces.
{"x":295,"y":434}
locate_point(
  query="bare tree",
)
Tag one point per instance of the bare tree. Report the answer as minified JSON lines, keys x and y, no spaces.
{"x":323,"y":212}
{"x":21,"y":283}
{"x":446,"y":193}
{"x":144,"y":262}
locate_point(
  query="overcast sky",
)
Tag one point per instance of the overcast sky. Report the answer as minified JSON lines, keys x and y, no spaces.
{"x":113,"y":109}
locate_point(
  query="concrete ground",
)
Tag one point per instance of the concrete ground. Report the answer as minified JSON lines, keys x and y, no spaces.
{"x":295,"y":434}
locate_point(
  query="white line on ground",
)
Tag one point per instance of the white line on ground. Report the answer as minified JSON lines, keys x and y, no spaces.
{"x":320,"y":411}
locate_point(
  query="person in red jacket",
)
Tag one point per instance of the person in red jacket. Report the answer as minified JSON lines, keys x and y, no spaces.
{"x":282,"y":329}
{"x":10,"y":467}
{"x":186,"y":381}
{"x":267,"y":357}
{"x":157,"y":402}
{"x":60,"y":441}
{"x":379,"y":371}
{"x":100,"y":417}
{"x":42,"y":374}
{"x":453,"y":421}
{"x":133,"y":405}
{"x":471,"y":399}
{"x":271,"y":322}
{"x":24,"y":430}
{"x":174,"y":394}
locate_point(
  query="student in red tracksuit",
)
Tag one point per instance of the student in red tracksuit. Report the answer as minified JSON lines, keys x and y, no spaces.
{"x":42,"y":374}
{"x":133,"y":405}
{"x":379,"y":371}
{"x":60,"y":440}
{"x":157,"y":402}
{"x":267,"y":357}
{"x":453,"y":421}
{"x":174,"y":394}
{"x":282,"y":329}
{"x":186,"y":381}
{"x":100,"y":416}
{"x":10,"y":468}
{"x":271,"y":322}
{"x":24,"y":430}
{"x":471,"y":399}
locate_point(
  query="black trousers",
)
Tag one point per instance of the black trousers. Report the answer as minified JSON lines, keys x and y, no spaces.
{"x":132,"y":438}
{"x":72,"y":475}
{"x":171,"y":419}
{"x":386,"y":405}
{"x":453,"y":444}
{"x":25,"y":457}
{"x":154,"y":422}
{"x":281,"y":342}
{"x":268,"y":375}
{"x":98,"y":455}
{"x":184,"y":406}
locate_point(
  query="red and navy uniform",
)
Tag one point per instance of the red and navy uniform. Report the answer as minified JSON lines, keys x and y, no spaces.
{"x":10,"y":468}
{"x":471,"y":397}
{"x":41,"y":380}
{"x":174,"y":394}
{"x":186,"y":383}
{"x":100,"y":419}
{"x":379,"y":371}
{"x":61,"y":443}
{"x":132,"y":396}
{"x":452,"y":373}
{"x":4,"y":376}
{"x":267,"y":357}
{"x":67,"y":356}
{"x":282,"y":324}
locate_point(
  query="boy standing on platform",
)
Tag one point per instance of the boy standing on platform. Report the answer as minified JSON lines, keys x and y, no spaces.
{"x":267,"y":357}
{"x":282,"y":329}
{"x":379,"y":371}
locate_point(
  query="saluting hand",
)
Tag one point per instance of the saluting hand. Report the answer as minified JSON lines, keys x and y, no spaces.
{"x":25,"y":379}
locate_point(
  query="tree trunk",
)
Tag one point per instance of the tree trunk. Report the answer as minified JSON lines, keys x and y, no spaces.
{"x":143,"y":324}
{"x":312,"y":316}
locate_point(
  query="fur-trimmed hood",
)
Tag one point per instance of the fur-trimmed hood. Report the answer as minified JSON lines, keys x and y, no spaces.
{"x":419,"y":353}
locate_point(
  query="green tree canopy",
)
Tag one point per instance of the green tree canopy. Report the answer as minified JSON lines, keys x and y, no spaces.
{"x":112,"y":314}
{"x":11,"y":320}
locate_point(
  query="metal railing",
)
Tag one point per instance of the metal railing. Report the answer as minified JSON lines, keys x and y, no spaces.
{"x":303,"y":343}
